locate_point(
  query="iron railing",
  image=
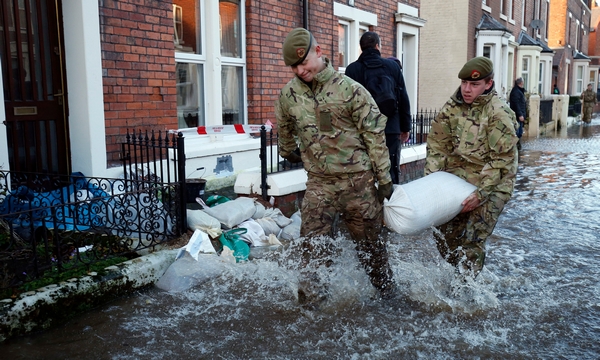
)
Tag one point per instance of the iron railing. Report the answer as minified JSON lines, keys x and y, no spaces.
{"x":53,"y":223}
{"x":271,"y":162}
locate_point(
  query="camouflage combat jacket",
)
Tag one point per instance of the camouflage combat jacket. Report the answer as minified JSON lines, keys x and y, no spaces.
{"x":476,"y":142}
{"x":588,"y":97}
{"x":337,"y":124}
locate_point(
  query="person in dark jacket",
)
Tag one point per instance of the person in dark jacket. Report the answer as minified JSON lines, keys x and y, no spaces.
{"x":518,"y":104}
{"x":397,"y":129}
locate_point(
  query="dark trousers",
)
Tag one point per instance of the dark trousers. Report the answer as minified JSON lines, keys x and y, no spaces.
{"x":393,"y":144}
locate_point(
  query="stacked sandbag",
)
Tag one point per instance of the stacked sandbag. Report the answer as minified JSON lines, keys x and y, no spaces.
{"x":264,"y":225}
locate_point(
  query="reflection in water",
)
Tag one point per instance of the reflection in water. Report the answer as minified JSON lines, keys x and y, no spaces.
{"x":538,"y":296}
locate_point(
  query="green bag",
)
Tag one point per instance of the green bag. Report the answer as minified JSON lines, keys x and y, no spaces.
{"x":216,"y":200}
{"x":231,"y":239}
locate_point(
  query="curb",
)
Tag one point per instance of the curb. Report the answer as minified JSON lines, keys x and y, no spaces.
{"x":55,"y":304}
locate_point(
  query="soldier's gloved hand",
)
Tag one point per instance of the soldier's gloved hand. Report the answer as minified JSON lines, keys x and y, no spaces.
{"x":294,"y":158}
{"x":385,"y":191}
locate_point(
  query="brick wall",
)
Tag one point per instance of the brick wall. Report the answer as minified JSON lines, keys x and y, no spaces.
{"x":138,"y":68}
{"x":267,"y":24}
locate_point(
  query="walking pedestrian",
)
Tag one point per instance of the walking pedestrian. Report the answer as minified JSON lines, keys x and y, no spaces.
{"x":518,"y":104}
{"x":588,"y":100}
{"x":372,"y":68}
{"x":340,"y":133}
{"x":474,"y":137}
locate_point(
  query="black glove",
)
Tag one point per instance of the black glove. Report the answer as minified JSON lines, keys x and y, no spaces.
{"x":385,"y":191}
{"x":294,"y":158}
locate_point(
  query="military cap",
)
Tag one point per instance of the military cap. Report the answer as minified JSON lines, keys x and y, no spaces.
{"x":297,"y":46}
{"x":476,"y":69}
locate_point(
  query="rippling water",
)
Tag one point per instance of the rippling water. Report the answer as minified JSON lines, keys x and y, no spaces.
{"x":537,"y":298}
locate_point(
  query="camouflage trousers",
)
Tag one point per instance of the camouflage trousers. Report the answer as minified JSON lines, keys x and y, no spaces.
{"x":588,"y":109}
{"x":354,"y":197}
{"x":461,"y":241}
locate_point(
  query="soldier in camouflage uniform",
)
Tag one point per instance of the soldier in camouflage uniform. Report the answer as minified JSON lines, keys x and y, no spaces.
{"x":474,"y":137}
{"x":588,"y":97}
{"x":340,"y":134}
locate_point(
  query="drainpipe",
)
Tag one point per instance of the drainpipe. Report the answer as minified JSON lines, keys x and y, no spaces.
{"x":305,"y":13}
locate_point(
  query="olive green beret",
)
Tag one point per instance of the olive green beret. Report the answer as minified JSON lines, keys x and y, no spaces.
{"x":296,"y":46}
{"x":476,"y":69}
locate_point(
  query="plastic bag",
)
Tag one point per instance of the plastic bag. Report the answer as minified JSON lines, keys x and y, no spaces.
{"x":232,"y":240}
{"x":199,"y":243}
{"x":256,"y":235}
{"x":429,"y":201}
{"x":214,"y":200}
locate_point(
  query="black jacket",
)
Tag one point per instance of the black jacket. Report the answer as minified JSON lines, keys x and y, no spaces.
{"x":518,"y":103}
{"x":401,"y":121}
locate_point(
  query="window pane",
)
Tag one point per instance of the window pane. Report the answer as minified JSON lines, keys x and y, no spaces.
{"x":232,"y":83}
{"x":343,"y":45}
{"x":190,"y":97}
{"x":231,"y":39}
{"x":186,"y":27}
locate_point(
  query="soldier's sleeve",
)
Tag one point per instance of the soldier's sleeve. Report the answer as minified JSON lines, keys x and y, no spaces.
{"x":498,"y":175}
{"x":371,"y":125}
{"x":286,"y":127}
{"x":439,"y":142}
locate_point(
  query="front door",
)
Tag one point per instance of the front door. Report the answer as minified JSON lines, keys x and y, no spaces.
{"x":33,"y":76}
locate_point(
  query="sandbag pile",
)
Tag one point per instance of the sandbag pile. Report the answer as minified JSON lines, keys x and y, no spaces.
{"x":264,"y":225}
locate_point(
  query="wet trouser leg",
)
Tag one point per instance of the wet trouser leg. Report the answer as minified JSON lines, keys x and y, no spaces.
{"x":461,"y":241}
{"x":392,"y":142}
{"x":355,"y":197}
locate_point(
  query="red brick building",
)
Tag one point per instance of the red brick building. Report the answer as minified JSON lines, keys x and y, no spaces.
{"x":105,"y":67}
{"x":569,"y":30}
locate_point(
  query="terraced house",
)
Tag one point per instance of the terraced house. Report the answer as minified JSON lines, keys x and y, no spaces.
{"x":78,"y":74}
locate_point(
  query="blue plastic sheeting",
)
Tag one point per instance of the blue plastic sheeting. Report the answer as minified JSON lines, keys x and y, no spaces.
{"x":58,"y":209}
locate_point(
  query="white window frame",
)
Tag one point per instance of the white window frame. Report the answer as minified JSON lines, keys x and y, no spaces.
{"x":523,"y":27}
{"x":506,"y":10}
{"x":177,"y":23}
{"x":579,"y":78}
{"x":358,"y":21}
{"x":526,"y":71}
{"x":485,"y":7}
{"x":408,"y":25}
{"x":576,"y":35}
{"x":209,"y":56}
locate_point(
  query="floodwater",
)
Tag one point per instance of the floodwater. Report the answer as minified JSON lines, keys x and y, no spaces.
{"x":537,"y":298}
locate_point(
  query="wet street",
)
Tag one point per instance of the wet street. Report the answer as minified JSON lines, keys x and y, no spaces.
{"x":537,"y":298}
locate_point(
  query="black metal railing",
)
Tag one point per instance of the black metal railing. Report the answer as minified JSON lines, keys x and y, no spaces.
{"x":272,"y":163}
{"x":53,"y":224}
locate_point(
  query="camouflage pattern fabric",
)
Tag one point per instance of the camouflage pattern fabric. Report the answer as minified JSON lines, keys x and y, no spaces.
{"x":354,"y":196}
{"x":476,"y":142}
{"x":336,"y":123}
{"x":340,"y":132}
{"x":589,"y":100}
{"x":461,"y":241}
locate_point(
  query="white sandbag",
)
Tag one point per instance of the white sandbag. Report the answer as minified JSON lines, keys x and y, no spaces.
{"x":233,"y":212}
{"x":292,"y":231}
{"x":186,"y":272}
{"x":199,"y":220}
{"x":277,"y":215}
{"x":429,"y":201}
{"x":260,"y":210}
{"x":199,"y":243}
{"x":255,"y":235}
{"x":269,"y":226}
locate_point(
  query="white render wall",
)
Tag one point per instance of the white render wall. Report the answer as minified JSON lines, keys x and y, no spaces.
{"x":443,"y":50}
